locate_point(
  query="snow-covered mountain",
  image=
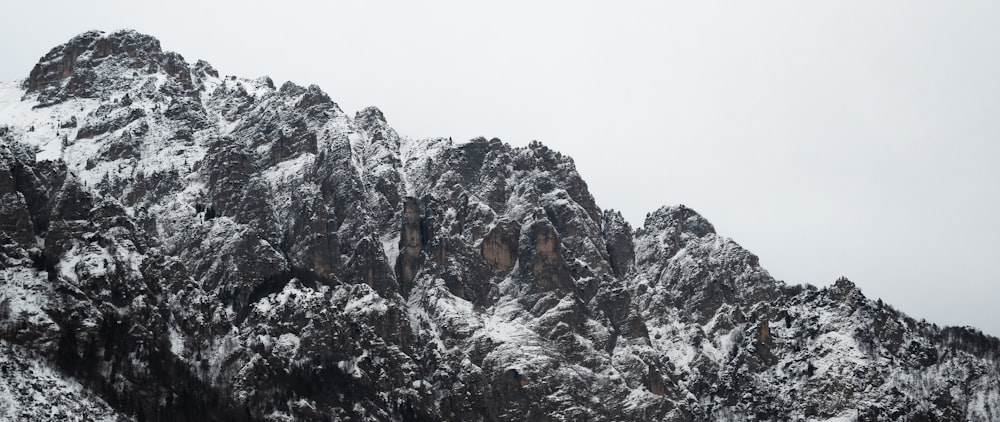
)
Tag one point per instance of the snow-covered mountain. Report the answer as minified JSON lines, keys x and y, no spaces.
{"x":177,"y":244}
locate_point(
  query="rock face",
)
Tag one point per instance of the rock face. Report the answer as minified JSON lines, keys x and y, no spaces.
{"x":180,"y":245}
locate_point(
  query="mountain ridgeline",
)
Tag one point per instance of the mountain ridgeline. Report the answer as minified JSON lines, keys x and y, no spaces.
{"x":177,"y":244}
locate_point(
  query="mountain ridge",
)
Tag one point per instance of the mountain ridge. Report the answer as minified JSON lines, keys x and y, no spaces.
{"x":189,"y":245}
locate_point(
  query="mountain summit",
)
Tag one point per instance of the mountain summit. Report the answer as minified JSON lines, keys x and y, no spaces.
{"x":93,"y":63}
{"x":176,"y":244}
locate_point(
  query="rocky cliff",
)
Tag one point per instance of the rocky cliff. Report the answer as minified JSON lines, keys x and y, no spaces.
{"x":177,"y":244}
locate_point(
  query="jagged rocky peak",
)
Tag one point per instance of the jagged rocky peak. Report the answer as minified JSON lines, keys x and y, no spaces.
{"x":369,"y":116}
{"x":678,"y":219}
{"x":373,"y":122}
{"x":314,"y":96}
{"x":669,"y":229}
{"x":96,"y":62}
{"x":618,"y":240}
{"x":845,"y":290}
{"x":205,"y":69}
{"x":196,"y":247}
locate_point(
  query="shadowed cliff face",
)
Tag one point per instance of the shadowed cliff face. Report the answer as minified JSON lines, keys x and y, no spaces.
{"x":500,"y":245}
{"x":191,"y":245}
{"x":411,"y":243}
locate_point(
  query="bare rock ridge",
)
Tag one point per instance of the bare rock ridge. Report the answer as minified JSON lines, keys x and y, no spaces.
{"x":82,"y":68}
{"x":179,"y":244}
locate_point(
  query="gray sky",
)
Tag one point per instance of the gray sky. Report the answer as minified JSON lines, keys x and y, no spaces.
{"x":851,"y":138}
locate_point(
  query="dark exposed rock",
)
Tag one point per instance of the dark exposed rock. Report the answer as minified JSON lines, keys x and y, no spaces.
{"x":93,"y":63}
{"x":239,"y":252}
{"x":618,"y":239}
{"x":541,"y":257}
{"x":370,"y":118}
{"x":109,"y":121}
{"x":499,"y":246}
{"x":371,"y":267}
{"x":69,"y":124}
{"x":15,"y":220}
{"x":411,"y":242}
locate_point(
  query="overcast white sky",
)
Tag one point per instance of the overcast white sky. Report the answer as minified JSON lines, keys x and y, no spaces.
{"x":852,"y":138}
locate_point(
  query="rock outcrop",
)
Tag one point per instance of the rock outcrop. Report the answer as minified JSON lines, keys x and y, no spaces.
{"x":178,"y":244}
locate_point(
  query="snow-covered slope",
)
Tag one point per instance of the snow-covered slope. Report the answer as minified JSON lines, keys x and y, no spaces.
{"x":191,"y":245}
{"x":31,"y":390}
